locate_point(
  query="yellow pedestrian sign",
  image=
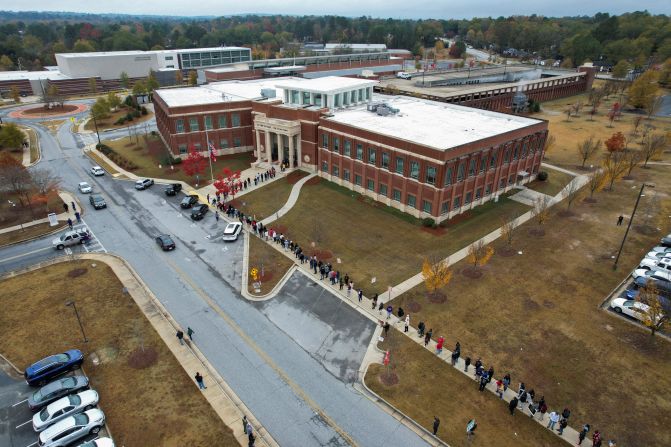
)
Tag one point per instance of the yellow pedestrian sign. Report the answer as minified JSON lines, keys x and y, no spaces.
{"x":254,"y":272}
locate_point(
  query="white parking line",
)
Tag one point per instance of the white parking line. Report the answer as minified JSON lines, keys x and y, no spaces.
{"x":26,"y":254}
{"x":19,"y":403}
{"x":27,"y":422}
{"x":95,"y":240}
{"x":31,"y":445}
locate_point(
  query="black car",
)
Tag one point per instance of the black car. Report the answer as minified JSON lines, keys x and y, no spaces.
{"x":97,"y":201}
{"x":172,"y":189}
{"x":189,"y":201}
{"x":199,"y":211}
{"x":666,"y":241}
{"x":165,"y":242}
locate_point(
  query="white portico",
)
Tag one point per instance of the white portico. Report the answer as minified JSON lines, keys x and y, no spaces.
{"x":277,"y":140}
{"x":332,"y":92}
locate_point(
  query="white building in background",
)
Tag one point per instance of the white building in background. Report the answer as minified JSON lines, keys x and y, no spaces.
{"x":109,"y":64}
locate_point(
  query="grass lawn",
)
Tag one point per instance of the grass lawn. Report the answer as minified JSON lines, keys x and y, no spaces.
{"x":108,"y":123}
{"x":536,"y":315}
{"x":455,"y":401}
{"x":15,"y":215}
{"x":269,"y":198}
{"x":147,"y":397}
{"x":28,"y":233}
{"x":148,"y":153}
{"x":555,"y":182}
{"x":275,"y":264}
{"x":373,"y":240}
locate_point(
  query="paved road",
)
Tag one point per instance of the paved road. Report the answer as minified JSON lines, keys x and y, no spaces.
{"x":286,"y":358}
{"x":665,"y":107}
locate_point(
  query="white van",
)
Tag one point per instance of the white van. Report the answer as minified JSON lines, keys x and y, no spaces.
{"x":403,"y":75}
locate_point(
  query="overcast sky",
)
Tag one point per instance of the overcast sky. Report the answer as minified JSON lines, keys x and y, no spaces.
{"x":443,"y":9}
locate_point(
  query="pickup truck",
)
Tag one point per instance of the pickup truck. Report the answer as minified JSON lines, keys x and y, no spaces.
{"x":72,"y":237}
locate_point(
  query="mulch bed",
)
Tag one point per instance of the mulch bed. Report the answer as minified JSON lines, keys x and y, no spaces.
{"x":645,"y":229}
{"x":589,"y":200}
{"x":54,"y":111}
{"x":457,"y":219}
{"x":472,"y":272}
{"x":267,"y":275}
{"x":140,"y":359}
{"x":506,"y":251}
{"x":438,"y":231}
{"x":566,"y":213}
{"x":322,"y":254}
{"x":77,"y":272}
{"x":313,"y":181}
{"x":294,"y":177}
{"x":436,"y":297}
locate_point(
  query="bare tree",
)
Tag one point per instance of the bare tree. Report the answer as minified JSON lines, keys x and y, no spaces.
{"x":615,"y":164}
{"x":571,"y":192}
{"x":550,"y":143}
{"x":652,"y":145}
{"x":587,"y":149}
{"x":508,"y":227}
{"x":596,"y":182}
{"x":15,"y":178}
{"x":44,"y":181}
{"x":633,"y":158}
{"x":652,"y":314}
{"x":636,"y":123}
{"x":541,"y":209}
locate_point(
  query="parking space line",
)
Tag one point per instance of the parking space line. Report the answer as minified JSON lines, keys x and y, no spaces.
{"x":19,"y":403}
{"x":31,"y":445}
{"x":27,"y":422}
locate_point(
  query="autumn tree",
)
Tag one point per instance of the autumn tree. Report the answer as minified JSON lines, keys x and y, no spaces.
{"x":620,"y":69}
{"x":615,"y":164}
{"x":100,"y":109}
{"x":6,"y":62}
{"x":652,"y":315}
{"x":550,"y":143}
{"x":571,"y":192}
{"x":15,"y":178}
{"x":644,"y":90}
{"x":124,"y":80}
{"x":15,"y":94}
{"x":436,"y":274}
{"x":113,"y":100}
{"x":587,"y":149}
{"x":152,"y":82}
{"x":652,"y":146}
{"x":139,"y":88}
{"x":93,"y":85}
{"x":226,"y":180}
{"x":194,"y":163}
{"x":44,"y":181}
{"x":596,"y":182}
{"x":193,"y":78}
{"x":479,"y":254}
{"x":633,"y":158}
{"x":616,"y":143}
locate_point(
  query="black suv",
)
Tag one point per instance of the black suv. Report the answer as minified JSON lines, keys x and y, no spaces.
{"x":189,"y":201}
{"x":97,"y":201}
{"x":172,"y":189}
{"x":199,"y":211}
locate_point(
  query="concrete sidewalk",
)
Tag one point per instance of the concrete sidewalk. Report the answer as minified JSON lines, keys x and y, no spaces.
{"x":291,"y":201}
{"x":66,"y":197}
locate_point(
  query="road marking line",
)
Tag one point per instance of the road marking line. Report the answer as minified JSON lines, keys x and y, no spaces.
{"x":27,"y":422}
{"x":18,"y":403}
{"x":26,"y":254}
{"x":31,"y":445}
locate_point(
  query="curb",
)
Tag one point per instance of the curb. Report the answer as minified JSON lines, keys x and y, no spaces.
{"x":35,"y":237}
{"x":4,"y":359}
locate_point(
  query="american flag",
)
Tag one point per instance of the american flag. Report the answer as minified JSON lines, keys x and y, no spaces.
{"x":211,"y":149}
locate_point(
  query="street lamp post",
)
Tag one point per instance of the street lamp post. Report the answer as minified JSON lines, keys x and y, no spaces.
{"x":74,"y":306}
{"x":95,"y":123}
{"x":638,"y":199}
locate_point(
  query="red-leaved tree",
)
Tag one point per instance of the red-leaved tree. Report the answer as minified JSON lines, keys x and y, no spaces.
{"x":194,"y":163}
{"x":616,"y":143}
{"x":226,"y":180}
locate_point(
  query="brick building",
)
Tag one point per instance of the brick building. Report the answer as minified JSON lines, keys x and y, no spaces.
{"x":426,"y":158}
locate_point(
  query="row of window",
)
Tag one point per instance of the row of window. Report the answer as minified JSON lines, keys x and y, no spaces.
{"x":519,"y":151}
{"x":194,"y":124}
{"x":223,"y":144}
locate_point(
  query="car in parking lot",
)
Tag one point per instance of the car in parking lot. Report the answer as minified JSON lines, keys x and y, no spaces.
{"x":143,"y":183}
{"x":97,"y":201}
{"x":666,"y":241}
{"x":72,"y":237}
{"x":199,"y":211}
{"x":632,"y":308}
{"x":97,"y":171}
{"x":40,"y":372}
{"x":657,"y":255}
{"x":663,"y":264}
{"x":72,"y":428}
{"x":64,"y":407}
{"x":165,"y":242}
{"x":189,"y":201}
{"x":172,"y":189}
{"x":232,"y":231}
{"x":663,"y":287}
{"x":652,"y":274}
{"x":84,"y":188}
{"x":55,"y":390}
{"x":662,"y":249}
{"x":98,"y":442}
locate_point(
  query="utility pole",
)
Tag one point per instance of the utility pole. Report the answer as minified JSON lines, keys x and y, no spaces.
{"x":638,"y":199}
{"x":74,"y":306}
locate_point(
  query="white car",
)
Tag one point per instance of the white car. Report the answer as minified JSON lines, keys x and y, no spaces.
{"x":64,"y":407}
{"x":403,"y":75}
{"x":663,"y":264}
{"x":98,"y":442}
{"x":657,"y":255}
{"x":661,"y":275}
{"x":84,"y":188}
{"x":634,"y":309}
{"x":97,"y":171}
{"x":662,"y":249}
{"x":232,"y":231}
{"x":72,"y":428}
{"x":143,"y":183}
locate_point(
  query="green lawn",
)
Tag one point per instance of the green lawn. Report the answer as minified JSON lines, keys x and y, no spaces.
{"x":150,"y":152}
{"x":554,"y":184}
{"x":269,"y":198}
{"x":373,"y":240}
{"x":110,"y":120}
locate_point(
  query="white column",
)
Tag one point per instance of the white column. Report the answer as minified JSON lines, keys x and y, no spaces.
{"x":258,"y":145}
{"x":280,"y":149}
{"x":291,"y":151}
{"x":268,"y":150}
{"x":299,"y":156}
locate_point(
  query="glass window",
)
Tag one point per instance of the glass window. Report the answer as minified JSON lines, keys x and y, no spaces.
{"x":469,"y":198}
{"x":336,"y":100}
{"x":325,"y":141}
{"x":196,"y":147}
{"x":399,"y":165}
{"x":426,"y":206}
{"x":483,"y":163}
{"x":385,"y":160}
{"x":294,"y":96}
{"x":524,"y":150}
{"x":414,"y":170}
{"x":237,"y":142}
{"x":448,"y":176}
{"x":368,"y":93}
{"x":208,"y":122}
{"x":471,"y":167}
{"x":502,"y":183}
{"x":359,"y":152}
{"x":511,"y":179}
{"x":371,"y":184}
{"x":492,"y":161}
{"x":383,"y":190}
{"x":325,"y":166}
{"x":306,"y":97}
{"x":460,"y":172}
{"x":345,"y":174}
{"x":182,"y":149}
{"x":412,"y":201}
{"x":335,"y":171}
{"x":353,"y":93}
{"x":371,"y":156}
{"x":223,"y":143}
{"x":235,"y":120}
{"x":457,"y":203}
{"x":431,"y":175}
{"x":179,"y":125}
{"x":478,"y":194}
{"x":336,"y":144}
{"x":516,"y":152}
{"x":444,"y":207}
{"x":357,"y":180}
{"x":348,"y":148}
{"x":506,"y":156}
{"x":193,"y":124}
{"x":397,"y":195}
{"x":222,"y":122}
{"x":488,"y":189}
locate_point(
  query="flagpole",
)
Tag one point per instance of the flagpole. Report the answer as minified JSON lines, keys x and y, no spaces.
{"x":209,"y":155}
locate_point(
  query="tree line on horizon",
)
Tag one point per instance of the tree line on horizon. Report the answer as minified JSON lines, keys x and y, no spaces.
{"x":638,"y":38}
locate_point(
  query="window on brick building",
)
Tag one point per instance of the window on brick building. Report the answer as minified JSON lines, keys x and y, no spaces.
{"x":399,"y":165}
{"x":516,"y":152}
{"x":448,"y":176}
{"x":414,"y":170}
{"x":179,"y":126}
{"x":193,"y":124}
{"x":336,"y":144}
{"x":335,"y":171}
{"x":345,"y":174}
{"x":524,"y":149}
{"x":357,"y":179}
{"x":460,"y":172}
{"x":412,"y":201}
{"x":471,"y":167}
{"x":478,"y":194}
{"x":492,"y":161}
{"x":348,"y":148}
{"x":371,"y":155}
{"x":325,"y":141}
{"x":222,"y":122}
{"x":397,"y":195}
{"x":196,"y":147}
{"x":385,"y":160}
{"x":511,"y":179}
{"x":359,"y":151}
{"x":502,"y":183}
{"x":325,"y":166}
{"x":235,"y":120}
{"x":371,"y":184}
{"x":426,"y":206}
{"x":223,"y":143}
{"x":444,"y":208}
{"x":469,"y":198}
{"x":506,"y":156}
{"x":431,"y":175}
{"x":488,"y":189}
{"x":383,"y":190}
{"x":208,"y":122}
{"x":457,"y":203}
{"x":483,"y":163}
{"x":182,"y":149}
{"x":237,"y":142}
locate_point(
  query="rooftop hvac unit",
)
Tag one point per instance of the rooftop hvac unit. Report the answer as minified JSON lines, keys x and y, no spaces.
{"x":383,"y":110}
{"x":391,"y":109}
{"x":372,"y":107}
{"x":268,"y":92}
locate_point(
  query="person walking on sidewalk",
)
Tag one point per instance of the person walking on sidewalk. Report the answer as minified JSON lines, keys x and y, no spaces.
{"x":190,"y":333}
{"x":456,"y":353}
{"x":554,"y":418}
{"x":467,"y":363}
{"x":563,"y":423}
{"x":380,"y":307}
{"x":436,"y":424}
{"x":349,"y":289}
{"x":200,"y":381}
{"x":244,"y":424}
{"x":374,"y":305}
{"x":439,"y":346}
{"x":512,"y":405}
{"x":386,"y":328}
{"x":70,"y":223}
{"x":596,"y":439}
{"x":427,"y":337}
{"x":583,"y":433}
{"x":360,"y":294}
{"x":66,"y":207}
{"x":180,"y":336}
{"x":389,"y":311}
{"x":420,"y":329}
{"x":74,"y":207}
{"x":407,"y":323}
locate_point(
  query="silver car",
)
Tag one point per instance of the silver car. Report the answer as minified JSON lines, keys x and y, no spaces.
{"x":98,"y":442}
{"x":64,"y":407}
{"x":72,"y":428}
{"x":72,"y":237}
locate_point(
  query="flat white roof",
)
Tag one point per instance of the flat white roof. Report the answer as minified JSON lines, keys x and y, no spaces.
{"x":139,"y":52}
{"x":355,"y":46}
{"x":435,"y":124}
{"x":326,"y":84}
{"x":31,"y":75}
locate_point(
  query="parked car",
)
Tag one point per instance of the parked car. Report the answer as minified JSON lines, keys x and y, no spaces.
{"x":143,"y":183}
{"x":657,"y":255}
{"x":97,"y":171}
{"x":199,"y":211}
{"x":666,"y":241}
{"x":84,"y":188}
{"x":663,"y":287}
{"x":189,"y":201}
{"x":632,"y":308}
{"x":232,"y":231}
{"x":98,"y":442}
{"x":172,"y":189}
{"x":72,"y":237}
{"x":64,"y":407}
{"x":403,"y":75}
{"x":662,"y":249}
{"x":46,"y":369}
{"x":165,"y":242}
{"x":72,"y":428}
{"x":97,"y":201}
{"x":663,"y":264}
{"x":57,"y":389}
{"x":652,"y":274}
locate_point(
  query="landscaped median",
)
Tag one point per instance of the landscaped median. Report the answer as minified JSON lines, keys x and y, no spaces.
{"x":30,"y":232}
{"x":146,"y":395}
{"x":271,"y":265}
